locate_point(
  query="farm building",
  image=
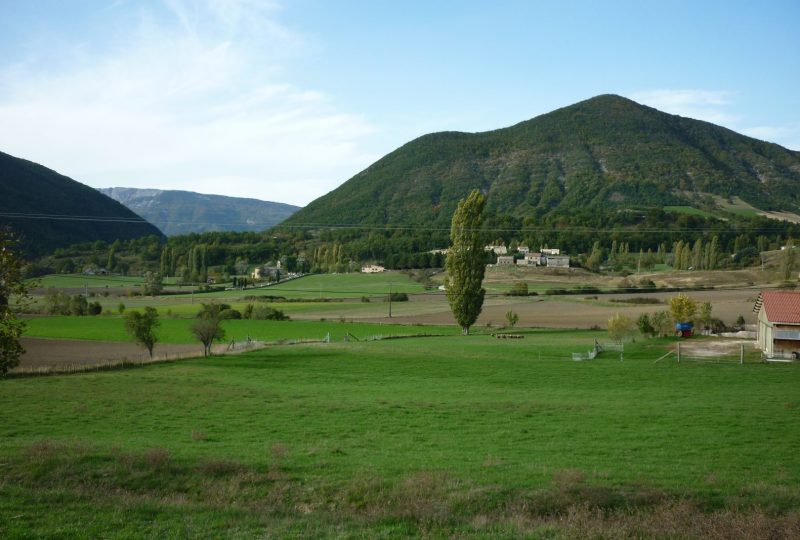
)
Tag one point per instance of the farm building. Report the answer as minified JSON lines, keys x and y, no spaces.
{"x":551,"y":251}
{"x":498,"y":250}
{"x":778,"y":323}
{"x":558,"y":261}
{"x":534,"y":259}
{"x":372,"y":269}
{"x":505,"y":261}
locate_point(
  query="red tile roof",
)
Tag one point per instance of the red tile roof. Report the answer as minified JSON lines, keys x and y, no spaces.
{"x":781,"y":306}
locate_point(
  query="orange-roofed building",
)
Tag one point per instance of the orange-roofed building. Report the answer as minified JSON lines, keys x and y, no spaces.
{"x":779,"y":323}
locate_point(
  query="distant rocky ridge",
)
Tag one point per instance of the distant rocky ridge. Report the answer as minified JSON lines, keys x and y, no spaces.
{"x":177,"y":212}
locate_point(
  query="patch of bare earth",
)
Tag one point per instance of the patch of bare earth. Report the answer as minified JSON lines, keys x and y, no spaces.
{"x":716,"y":348}
{"x":62,"y":353}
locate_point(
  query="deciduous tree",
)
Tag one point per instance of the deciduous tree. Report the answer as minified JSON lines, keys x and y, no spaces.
{"x":511,"y":318}
{"x":465,"y":261}
{"x":208,"y":327}
{"x":620,"y":327}
{"x":142,"y":327}
{"x":682,"y":308}
{"x":12,"y":283}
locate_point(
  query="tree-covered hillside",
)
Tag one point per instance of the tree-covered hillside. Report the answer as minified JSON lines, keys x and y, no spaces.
{"x":574,"y":164}
{"x":183,"y":212}
{"x":50,"y":210}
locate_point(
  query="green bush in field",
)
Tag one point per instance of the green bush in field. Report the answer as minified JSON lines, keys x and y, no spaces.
{"x":95,"y":308}
{"x":519,"y":289}
{"x":266,"y":313}
{"x":230,"y":313}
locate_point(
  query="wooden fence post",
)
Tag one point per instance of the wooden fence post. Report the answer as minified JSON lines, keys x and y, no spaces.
{"x":679,"y":352}
{"x":741,"y":353}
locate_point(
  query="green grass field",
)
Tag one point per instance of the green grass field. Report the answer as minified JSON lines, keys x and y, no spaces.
{"x":177,"y":330}
{"x":432,"y":437}
{"x":77,"y":281}
{"x":688,"y":210}
{"x":314,"y":286}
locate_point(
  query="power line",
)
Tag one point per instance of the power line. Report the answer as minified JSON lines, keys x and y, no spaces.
{"x":346,"y":226}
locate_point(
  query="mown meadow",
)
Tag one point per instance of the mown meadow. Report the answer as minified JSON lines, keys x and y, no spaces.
{"x":466,"y":436}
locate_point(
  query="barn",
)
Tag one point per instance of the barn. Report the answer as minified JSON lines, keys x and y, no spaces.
{"x":778,"y":323}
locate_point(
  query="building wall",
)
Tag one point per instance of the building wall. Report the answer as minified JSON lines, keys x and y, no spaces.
{"x":765,"y":336}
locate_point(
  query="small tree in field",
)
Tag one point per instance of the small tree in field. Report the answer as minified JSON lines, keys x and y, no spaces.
{"x":705,"y":315}
{"x":207,"y":327}
{"x":153,"y":284}
{"x":644,"y":325}
{"x":620,"y":327}
{"x":512,"y":318}
{"x":660,"y":321}
{"x":142,"y":327}
{"x":682,"y":308}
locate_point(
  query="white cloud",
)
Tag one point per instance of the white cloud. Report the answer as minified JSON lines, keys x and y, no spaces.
{"x":707,"y":105}
{"x":787,"y":136}
{"x":715,"y":107}
{"x":195,"y":102}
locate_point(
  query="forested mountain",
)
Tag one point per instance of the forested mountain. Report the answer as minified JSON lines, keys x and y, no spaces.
{"x":579,"y":165}
{"x":183,"y":212}
{"x":50,"y":210}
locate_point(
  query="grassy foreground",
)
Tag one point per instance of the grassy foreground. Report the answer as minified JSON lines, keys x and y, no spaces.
{"x":446,"y":436}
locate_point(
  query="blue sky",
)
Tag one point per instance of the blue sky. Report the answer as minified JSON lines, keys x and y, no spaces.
{"x":286,"y":100}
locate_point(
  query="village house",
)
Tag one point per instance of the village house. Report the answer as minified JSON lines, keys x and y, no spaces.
{"x":534,"y":259}
{"x":778,"y":332}
{"x":372,"y":269}
{"x":266,"y":272}
{"x":523,"y":249}
{"x":498,"y":250}
{"x":557,"y":261}
{"x":551,"y":251}
{"x":505,"y":260}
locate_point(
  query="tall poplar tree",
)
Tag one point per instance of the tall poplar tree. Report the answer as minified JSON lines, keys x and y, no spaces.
{"x":465,"y":261}
{"x":787,"y":264}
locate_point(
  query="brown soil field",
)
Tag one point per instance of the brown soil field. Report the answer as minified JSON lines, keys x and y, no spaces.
{"x":61,"y":353}
{"x":576,"y":311}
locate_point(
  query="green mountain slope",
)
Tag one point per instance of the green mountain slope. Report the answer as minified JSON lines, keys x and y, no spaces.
{"x":597,"y":156}
{"x":183,"y":212}
{"x":50,"y":210}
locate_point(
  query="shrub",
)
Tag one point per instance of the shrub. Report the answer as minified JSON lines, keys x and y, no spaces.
{"x":266,"y":313}
{"x":229,"y":313}
{"x":398,"y":297}
{"x":637,"y":300}
{"x":519,"y":289}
